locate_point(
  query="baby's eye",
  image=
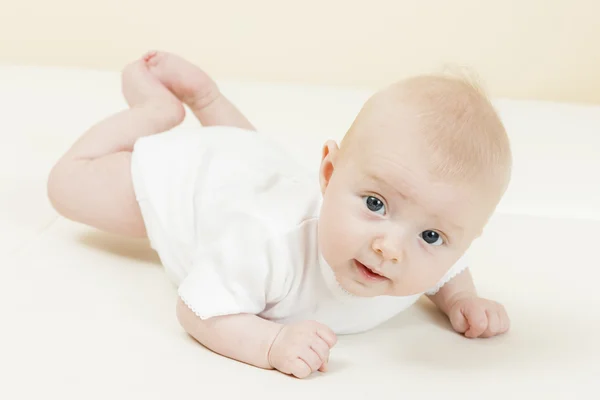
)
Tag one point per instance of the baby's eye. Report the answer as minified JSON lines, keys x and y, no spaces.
{"x":374,"y":204}
{"x":432,"y":237}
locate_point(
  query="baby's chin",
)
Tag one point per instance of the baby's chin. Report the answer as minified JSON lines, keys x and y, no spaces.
{"x":353,"y":289}
{"x":358,"y":289}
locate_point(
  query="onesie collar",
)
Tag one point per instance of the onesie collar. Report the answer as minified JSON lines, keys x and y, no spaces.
{"x":331,"y":281}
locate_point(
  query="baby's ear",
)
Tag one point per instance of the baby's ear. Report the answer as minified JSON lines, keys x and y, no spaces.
{"x":328,"y":159}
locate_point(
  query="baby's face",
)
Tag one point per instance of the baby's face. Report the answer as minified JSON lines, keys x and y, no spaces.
{"x":386,"y":226}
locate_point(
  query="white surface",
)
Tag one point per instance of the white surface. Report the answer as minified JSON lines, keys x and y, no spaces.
{"x":90,"y":315}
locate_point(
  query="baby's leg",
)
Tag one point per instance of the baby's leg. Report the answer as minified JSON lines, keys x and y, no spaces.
{"x":195,"y":88}
{"x":91,"y":183}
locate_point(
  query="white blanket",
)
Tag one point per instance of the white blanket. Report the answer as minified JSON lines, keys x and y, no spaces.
{"x":90,"y":315}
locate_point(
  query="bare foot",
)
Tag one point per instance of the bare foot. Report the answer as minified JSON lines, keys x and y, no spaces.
{"x":189,"y":83}
{"x":142,"y":89}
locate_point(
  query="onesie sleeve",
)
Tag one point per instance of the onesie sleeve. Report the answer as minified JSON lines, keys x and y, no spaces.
{"x":234,"y":273}
{"x":458,"y":267}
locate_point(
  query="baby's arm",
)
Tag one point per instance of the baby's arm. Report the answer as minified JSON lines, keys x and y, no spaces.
{"x":243,"y":337}
{"x":296,"y":349}
{"x":469,"y":314}
{"x":460,"y":286}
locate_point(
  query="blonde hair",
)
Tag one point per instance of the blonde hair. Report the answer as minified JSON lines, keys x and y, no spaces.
{"x":456,"y":121}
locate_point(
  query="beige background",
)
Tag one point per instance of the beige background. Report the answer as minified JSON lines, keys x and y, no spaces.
{"x":91,"y":316}
{"x":542,"y":49}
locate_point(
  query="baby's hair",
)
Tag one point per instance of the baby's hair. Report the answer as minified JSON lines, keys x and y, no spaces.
{"x":457,"y":121}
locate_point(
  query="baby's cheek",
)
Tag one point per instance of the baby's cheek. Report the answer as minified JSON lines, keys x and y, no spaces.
{"x":340,"y":228}
{"x":337,"y":238}
{"x":328,"y":235}
{"x":426,"y":277}
{"x":338,"y":234}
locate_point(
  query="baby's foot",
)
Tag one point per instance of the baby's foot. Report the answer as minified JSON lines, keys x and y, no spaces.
{"x":142,"y":89}
{"x":189,"y":83}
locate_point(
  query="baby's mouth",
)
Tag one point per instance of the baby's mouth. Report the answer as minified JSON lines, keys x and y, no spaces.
{"x":368,"y":273}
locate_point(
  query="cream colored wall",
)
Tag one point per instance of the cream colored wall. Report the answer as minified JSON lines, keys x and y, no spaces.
{"x":544,"y":49}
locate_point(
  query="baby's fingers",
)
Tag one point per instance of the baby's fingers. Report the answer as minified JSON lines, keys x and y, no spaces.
{"x":312,"y":359}
{"x":322,"y":349}
{"x":323,"y":367}
{"x":477,"y":320}
{"x":458,"y":320}
{"x":493,"y":324}
{"x":504,"y":320}
{"x":298,"y":368}
{"x":498,"y":322}
{"x":327,"y":334}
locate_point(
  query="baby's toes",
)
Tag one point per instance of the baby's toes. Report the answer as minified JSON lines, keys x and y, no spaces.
{"x":149,"y":55}
{"x":155,"y":59}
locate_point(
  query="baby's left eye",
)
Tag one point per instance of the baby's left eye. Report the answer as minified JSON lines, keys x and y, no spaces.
{"x":432,"y":237}
{"x":374,"y":204}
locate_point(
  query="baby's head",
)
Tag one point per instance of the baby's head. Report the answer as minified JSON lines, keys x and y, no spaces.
{"x":413,"y":183}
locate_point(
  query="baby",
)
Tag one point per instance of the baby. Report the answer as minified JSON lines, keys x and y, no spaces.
{"x":271,"y":263}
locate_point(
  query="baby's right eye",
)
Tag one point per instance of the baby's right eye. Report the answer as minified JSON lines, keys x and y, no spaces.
{"x":374,"y":204}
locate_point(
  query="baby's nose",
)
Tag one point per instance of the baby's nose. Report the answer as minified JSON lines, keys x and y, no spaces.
{"x":390,"y":250}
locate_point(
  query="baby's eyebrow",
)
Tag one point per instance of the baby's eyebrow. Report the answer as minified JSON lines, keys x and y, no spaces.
{"x":443,"y":221}
{"x":457,"y":228}
{"x":381,"y":182}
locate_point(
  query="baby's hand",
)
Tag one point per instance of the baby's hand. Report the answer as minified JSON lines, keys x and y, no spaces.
{"x":302,"y":348}
{"x":478,"y":317}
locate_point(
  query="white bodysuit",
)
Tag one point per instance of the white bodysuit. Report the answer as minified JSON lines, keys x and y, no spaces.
{"x":234,"y":221}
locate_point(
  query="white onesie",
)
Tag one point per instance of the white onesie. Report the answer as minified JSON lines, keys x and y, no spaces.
{"x":234,"y":221}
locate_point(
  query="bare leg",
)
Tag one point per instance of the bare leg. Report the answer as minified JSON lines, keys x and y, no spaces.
{"x":91,"y":183}
{"x":195,"y":88}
